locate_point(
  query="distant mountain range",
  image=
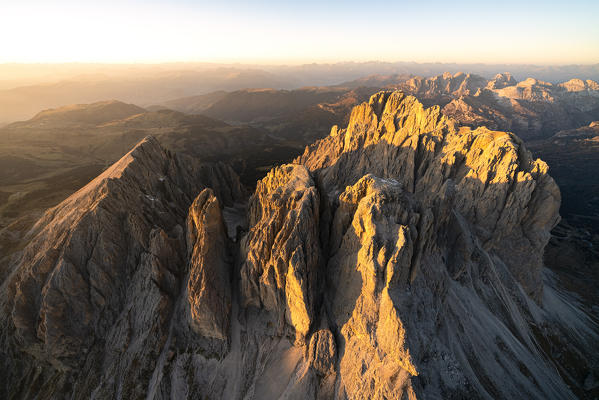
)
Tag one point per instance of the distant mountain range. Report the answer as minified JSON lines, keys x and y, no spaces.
{"x":530,"y":108}
{"x":26,"y":89}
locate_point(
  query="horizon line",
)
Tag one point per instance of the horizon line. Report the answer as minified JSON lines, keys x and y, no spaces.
{"x":293,"y":64}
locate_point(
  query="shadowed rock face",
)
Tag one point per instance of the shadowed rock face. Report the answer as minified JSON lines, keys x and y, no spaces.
{"x":93,"y":292}
{"x":399,"y":257}
{"x":208,"y":287}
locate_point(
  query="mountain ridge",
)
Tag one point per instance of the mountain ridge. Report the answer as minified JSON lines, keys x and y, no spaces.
{"x":400,"y":256}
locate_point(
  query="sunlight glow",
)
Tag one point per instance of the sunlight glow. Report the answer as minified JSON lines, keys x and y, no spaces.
{"x":157,"y":31}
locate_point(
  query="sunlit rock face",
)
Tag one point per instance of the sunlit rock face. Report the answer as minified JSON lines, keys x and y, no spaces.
{"x":399,"y":257}
{"x":531,"y":108}
{"x":427,"y":216}
{"x":282,"y":252}
{"x":486,"y":176}
{"x":459,"y":84}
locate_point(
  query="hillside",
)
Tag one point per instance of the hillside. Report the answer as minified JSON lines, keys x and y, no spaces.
{"x":49,"y":157}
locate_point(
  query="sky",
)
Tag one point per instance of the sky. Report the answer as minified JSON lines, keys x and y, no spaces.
{"x":295,"y":32}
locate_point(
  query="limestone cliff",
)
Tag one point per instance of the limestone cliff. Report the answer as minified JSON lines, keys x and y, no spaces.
{"x":209,"y":283}
{"x":399,"y":257}
{"x":489,"y":177}
{"x":281,"y":252}
{"x":432,"y":222}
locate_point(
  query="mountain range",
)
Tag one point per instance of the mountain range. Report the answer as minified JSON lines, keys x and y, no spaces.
{"x":530,"y":108}
{"x":534,"y":110}
{"x":400,"y":256}
{"x":27,"y":88}
{"x":388,"y":237}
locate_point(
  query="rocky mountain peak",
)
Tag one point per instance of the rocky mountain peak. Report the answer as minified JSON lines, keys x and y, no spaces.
{"x":458,"y":84}
{"x":398,"y":257}
{"x":89,"y":256}
{"x":502,"y":80}
{"x":578,"y":85}
{"x":488,"y":174}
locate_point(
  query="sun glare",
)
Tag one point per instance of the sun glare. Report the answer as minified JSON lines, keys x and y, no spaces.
{"x":270,"y":32}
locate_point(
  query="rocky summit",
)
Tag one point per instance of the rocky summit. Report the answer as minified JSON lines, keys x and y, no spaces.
{"x":400,"y":257}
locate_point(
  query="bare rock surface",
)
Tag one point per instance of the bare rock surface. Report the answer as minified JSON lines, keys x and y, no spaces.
{"x":90,"y":298}
{"x":209,"y":283}
{"x":432,"y":222}
{"x":531,"y":108}
{"x":322,"y":352}
{"x":399,"y":257}
{"x":282,"y":250}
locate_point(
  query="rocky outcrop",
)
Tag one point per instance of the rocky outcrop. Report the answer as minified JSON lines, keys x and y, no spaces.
{"x":322,"y":353}
{"x":531,"y":108}
{"x":502,"y":80}
{"x":529,"y":89}
{"x":447,"y":84}
{"x":490,"y":176}
{"x":578,"y":85}
{"x":399,"y":257}
{"x":371,"y":255}
{"x":282,"y":251}
{"x":209,"y":282}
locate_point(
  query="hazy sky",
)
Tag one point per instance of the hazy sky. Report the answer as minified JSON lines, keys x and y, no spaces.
{"x":269,"y":31}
